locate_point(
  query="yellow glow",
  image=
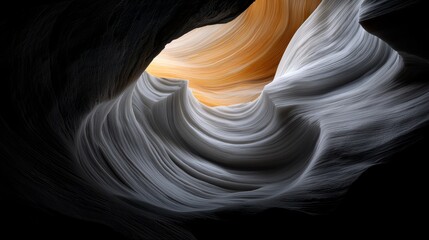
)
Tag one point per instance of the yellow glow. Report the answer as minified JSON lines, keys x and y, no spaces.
{"x":231,"y":63}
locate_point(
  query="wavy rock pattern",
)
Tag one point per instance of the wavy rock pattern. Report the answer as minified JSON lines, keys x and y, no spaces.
{"x":86,"y":133}
{"x":231,"y":63}
{"x":334,"y":107}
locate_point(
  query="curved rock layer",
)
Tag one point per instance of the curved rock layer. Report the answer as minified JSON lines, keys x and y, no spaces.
{"x":334,"y":107}
{"x":86,"y":132}
{"x":231,"y":63}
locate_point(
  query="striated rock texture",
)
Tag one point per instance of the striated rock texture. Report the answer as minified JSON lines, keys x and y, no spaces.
{"x":87,"y":132}
{"x":231,"y":63}
{"x":334,"y":108}
{"x":58,"y":60}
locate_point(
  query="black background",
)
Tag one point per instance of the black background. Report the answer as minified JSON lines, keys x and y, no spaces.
{"x":388,"y":199}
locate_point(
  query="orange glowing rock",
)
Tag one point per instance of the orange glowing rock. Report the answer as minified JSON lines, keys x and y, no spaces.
{"x":231,"y":63}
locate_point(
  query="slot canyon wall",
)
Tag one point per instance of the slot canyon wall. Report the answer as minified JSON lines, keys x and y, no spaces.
{"x":151,"y":117}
